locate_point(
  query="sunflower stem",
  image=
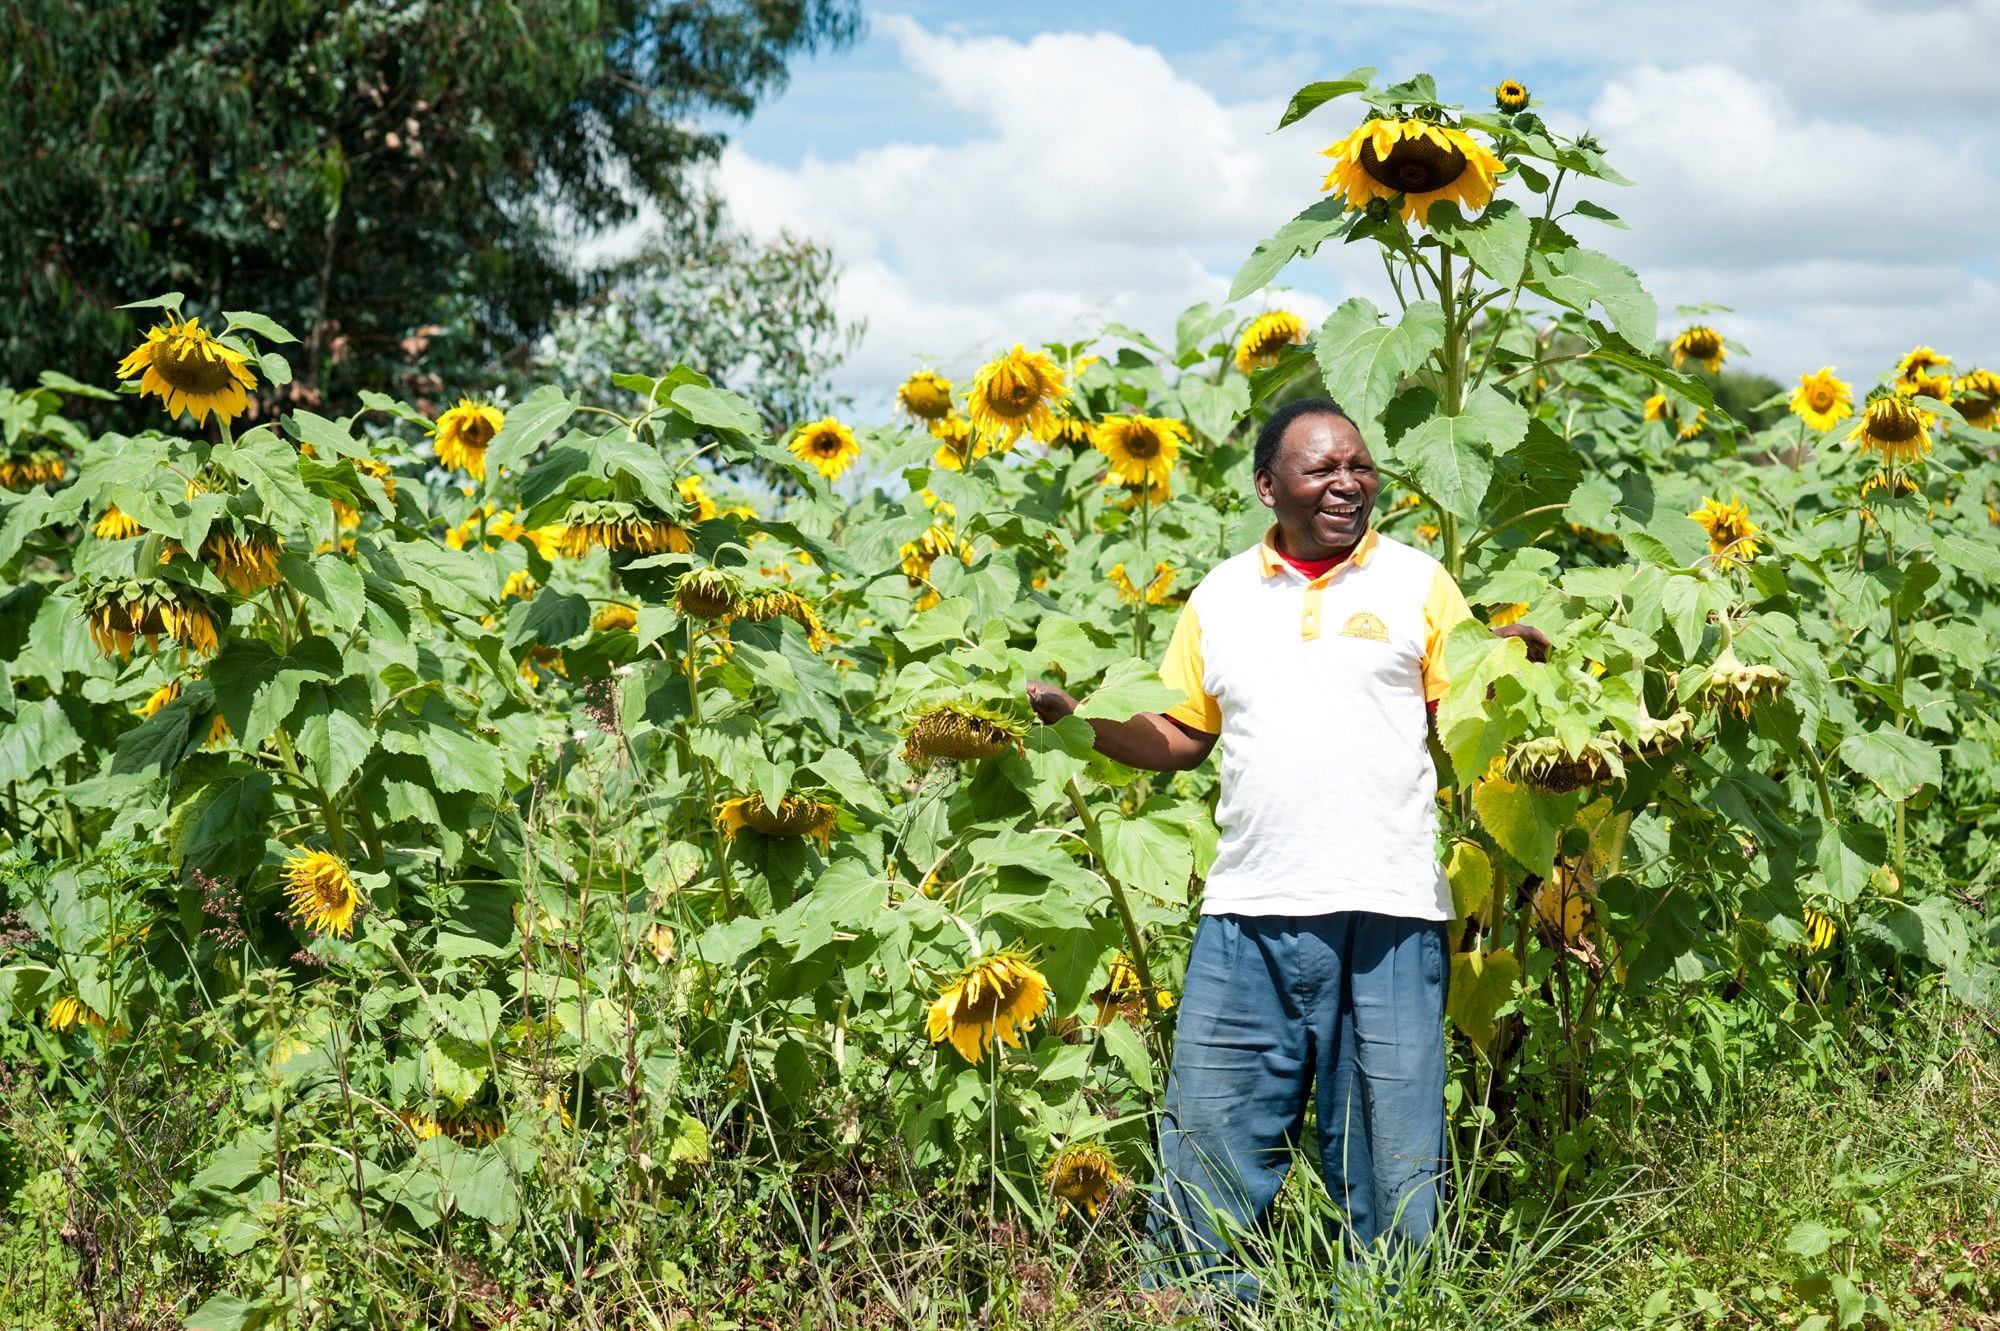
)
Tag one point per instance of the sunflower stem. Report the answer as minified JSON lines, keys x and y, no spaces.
{"x":1493,"y":342}
{"x":707,"y":775}
{"x":1134,"y":940}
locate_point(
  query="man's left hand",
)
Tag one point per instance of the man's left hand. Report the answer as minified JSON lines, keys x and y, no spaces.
{"x":1536,"y":640}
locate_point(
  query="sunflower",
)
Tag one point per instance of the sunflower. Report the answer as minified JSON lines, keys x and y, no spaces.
{"x":828,"y":445}
{"x":1733,"y":539}
{"x":159,"y":698}
{"x":660,"y":939}
{"x":1694,"y":426}
{"x":519,"y":584}
{"x":796,"y":816}
{"x":959,"y":732}
{"x":958,"y":443}
{"x":1428,"y":531}
{"x":117,"y":525}
{"x":322,"y":895}
{"x":1422,"y":161}
{"x":997,"y":997}
{"x":1142,"y":449}
{"x":41,"y":467}
{"x":1154,"y":495}
{"x":618,"y":527}
{"x":1820,"y":930}
{"x":1919,"y":361}
{"x":1699,"y":343}
{"x":786,"y":605}
{"x":1893,"y":430}
{"x":346,"y":514}
{"x":1156,"y":591}
{"x":1267,"y":335}
{"x":219,"y":733}
{"x":1547,"y":764}
{"x":1015,"y":392}
{"x":708,"y":593}
{"x":151,"y":608}
{"x":1659,"y":409}
{"x":690,"y":491}
{"x":247,"y":562}
{"x":422,"y":1126}
{"x":463,"y":434}
{"x":1510,"y":96}
{"x":1507,"y":614}
{"x":615,"y":616}
{"x":1892,"y":487}
{"x":1082,"y":1177}
{"x":69,"y":1011}
{"x":1821,"y":400}
{"x":1123,"y":995}
{"x":190,"y":371}
{"x":1976,"y":394}
{"x":547,"y":658}
{"x":507,"y":526}
{"x":926,"y":395}
{"x":1737,"y":687}
{"x":1070,"y":432}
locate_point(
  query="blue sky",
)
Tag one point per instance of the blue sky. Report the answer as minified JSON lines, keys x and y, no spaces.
{"x":990,"y":175}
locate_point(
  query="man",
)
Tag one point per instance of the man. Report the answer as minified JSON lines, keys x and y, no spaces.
{"x":1320,"y":961}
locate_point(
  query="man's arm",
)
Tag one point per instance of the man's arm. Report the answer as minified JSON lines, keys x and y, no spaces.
{"x":1150,"y":740}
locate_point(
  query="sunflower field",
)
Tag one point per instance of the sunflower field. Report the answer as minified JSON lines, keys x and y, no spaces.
{"x":558,"y":862}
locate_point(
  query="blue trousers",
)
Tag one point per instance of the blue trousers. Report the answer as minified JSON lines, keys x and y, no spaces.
{"x":1349,"y":1006}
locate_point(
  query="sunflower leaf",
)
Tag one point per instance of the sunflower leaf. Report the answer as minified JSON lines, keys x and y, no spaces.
{"x":717,"y":409}
{"x":526,"y":426}
{"x":170,"y":301}
{"x":1451,"y":457}
{"x":1578,"y":277}
{"x":1315,"y":95}
{"x":264,"y":327}
{"x":1900,"y":765}
{"x":1300,"y":236}
{"x":1496,"y":241}
{"x":1362,"y":359}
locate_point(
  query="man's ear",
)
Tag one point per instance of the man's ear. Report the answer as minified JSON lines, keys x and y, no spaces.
{"x":1262,"y":480}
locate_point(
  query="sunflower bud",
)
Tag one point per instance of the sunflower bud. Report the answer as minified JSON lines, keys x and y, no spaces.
{"x":708,"y":593}
{"x":1658,"y":736}
{"x":1547,"y":765}
{"x":1737,"y":687}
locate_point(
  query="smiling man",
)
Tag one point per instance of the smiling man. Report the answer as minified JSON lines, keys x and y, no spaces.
{"x":1320,"y":961}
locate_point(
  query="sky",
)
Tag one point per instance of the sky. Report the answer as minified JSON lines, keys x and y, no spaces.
{"x":991,"y":174}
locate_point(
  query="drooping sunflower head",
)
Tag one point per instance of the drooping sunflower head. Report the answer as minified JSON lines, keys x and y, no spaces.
{"x":463,"y":434}
{"x":614,"y":617}
{"x":1820,"y":930}
{"x":1124,"y":995}
{"x":1507,"y":614}
{"x":1892,"y":430}
{"x":117,"y":525}
{"x":619,"y":528}
{"x":1918,"y":361}
{"x":1267,"y":335}
{"x":159,"y":698}
{"x":1733,"y":539}
{"x":1082,"y":1177}
{"x":151,"y":608}
{"x":1699,"y":343}
{"x":959,"y":732}
{"x":1547,"y":763}
{"x":1015,"y":392}
{"x":69,"y":1011}
{"x":321,"y":892}
{"x":1693,"y":426}
{"x":39,"y":466}
{"x":796,"y":816}
{"x":708,"y":593}
{"x":1736,"y":687}
{"x":1976,"y":394}
{"x":782,"y":604}
{"x":1156,"y":591}
{"x":520,"y":585}
{"x":245,"y":558}
{"x":1425,"y":162}
{"x":1821,"y":400}
{"x":1659,"y":409}
{"x":998,"y":997}
{"x":1070,"y":431}
{"x":1510,"y":96}
{"x":190,"y":371}
{"x":1141,"y":450}
{"x":827,"y":446}
{"x":926,"y":395}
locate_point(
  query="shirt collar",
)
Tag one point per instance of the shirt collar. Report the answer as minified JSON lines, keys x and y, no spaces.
{"x":1274,"y":563}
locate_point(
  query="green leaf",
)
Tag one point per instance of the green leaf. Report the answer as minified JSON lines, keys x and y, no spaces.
{"x":336,"y":733}
{"x":270,"y":467}
{"x":328,"y":581}
{"x":538,"y":416}
{"x":328,"y":438}
{"x":1975,"y":557}
{"x":1301,"y":235}
{"x":170,"y":301}
{"x":1214,"y":409}
{"x":1847,"y":856}
{"x":1810,"y":1238}
{"x":38,"y":736}
{"x":453,"y":579}
{"x":152,"y":748}
{"x":256,"y":688}
{"x":1315,"y":95}
{"x":1496,"y":241}
{"x":550,"y":618}
{"x":458,"y":759}
{"x":226,"y":1312}
{"x":1525,"y":824}
{"x":62,"y":383}
{"x":1362,"y":359}
{"x":1451,"y":457}
{"x":718,"y":410}
{"x":1481,"y":984}
{"x":263,"y":327}
{"x":1147,"y":854}
{"x":1130,"y":687}
{"x":1900,"y":765}
{"x":1129,"y":1048}
{"x":1577,"y":277}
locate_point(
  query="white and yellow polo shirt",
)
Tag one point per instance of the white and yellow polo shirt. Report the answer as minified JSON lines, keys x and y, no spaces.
{"x":1318,"y":689}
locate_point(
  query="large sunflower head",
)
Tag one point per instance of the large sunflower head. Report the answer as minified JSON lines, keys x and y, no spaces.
{"x":1733,"y":539}
{"x":619,"y":528}
{"x":1141,"y":449}
{"x":463,"y":434}
{"x":1510,"y":95}
{"x":1976,"y":394}
{"x":795,"y":816}
{"x":1699,"y":343}
{"x":708,"y":593}
{"x":38,"y":466}
{"x":780,"y":604}
{"x":1423,"y":161}
{"x":1821,"y":400}
{"x":1893,"y":430}
{"x":114,"y":524}
{"x":190,"y":371}
{"x":1921,"y":361}
{"x":151,"y":608}
{"x":1015,"y":392}
{"x":321,"y":892}
{"x":246,"y":558}
{"x":827,"y":445}
{"x":959,"y":732}
{"x":926,"y":395}
{"x":1082,"y":1177}
{"x":1267,"y":335}
{"x":998,"y":997}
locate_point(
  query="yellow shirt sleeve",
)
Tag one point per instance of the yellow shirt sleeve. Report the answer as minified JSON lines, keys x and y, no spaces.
{"x":1444,"y":608}
{"x":1184,"y":669}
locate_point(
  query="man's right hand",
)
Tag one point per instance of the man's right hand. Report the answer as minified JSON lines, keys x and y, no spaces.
{"x":1051,"y":704}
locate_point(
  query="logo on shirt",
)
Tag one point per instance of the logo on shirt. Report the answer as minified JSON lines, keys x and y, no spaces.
{"x":1364,"y":625}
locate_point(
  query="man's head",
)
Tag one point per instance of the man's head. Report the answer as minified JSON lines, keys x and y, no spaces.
{"x":1316,"y":476}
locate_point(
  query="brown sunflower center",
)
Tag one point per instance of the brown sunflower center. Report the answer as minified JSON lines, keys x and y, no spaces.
{"x":1015,"y":395}
{"x":192,"y":365}
{"x":1142,"y":445}
{"x":1701,"y":342}
{"x":1414,"y":166}
{"x":826,"y":445}
{"x":1820,"y":398}
{"x":475,"y":432}
{"x":1892,"y":422}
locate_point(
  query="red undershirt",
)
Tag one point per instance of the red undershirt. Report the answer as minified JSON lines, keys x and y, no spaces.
{"x":1314,"y":568}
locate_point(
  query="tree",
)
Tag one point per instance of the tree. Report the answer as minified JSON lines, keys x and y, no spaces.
{"x":359,"y":172}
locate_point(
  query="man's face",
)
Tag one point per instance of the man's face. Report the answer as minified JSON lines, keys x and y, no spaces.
{"x":1321,"y":487}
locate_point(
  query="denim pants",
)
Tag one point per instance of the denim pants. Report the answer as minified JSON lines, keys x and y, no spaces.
{"x":1349,"y":1006}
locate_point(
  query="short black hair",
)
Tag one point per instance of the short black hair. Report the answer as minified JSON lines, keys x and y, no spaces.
{"x":1265,"y":455}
